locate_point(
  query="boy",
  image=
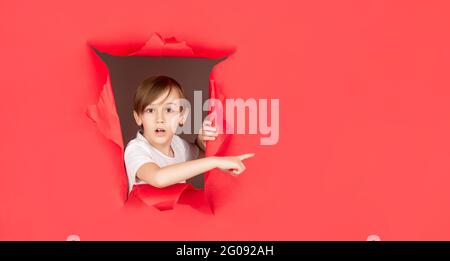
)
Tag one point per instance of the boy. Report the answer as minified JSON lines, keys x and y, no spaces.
{"x":159,"y":157}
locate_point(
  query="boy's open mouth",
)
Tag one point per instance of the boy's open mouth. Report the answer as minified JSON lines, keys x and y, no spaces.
{"x":160,"y":131}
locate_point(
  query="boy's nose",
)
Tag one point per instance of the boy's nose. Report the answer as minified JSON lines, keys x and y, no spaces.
{"x":160,"y":116}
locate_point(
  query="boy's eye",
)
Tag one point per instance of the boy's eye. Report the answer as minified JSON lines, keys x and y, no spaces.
{"x":169,"y":109}
{"x":150,"y":110}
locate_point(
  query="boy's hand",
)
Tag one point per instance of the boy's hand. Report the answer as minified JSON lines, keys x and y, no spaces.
{"x":207,"y":132}
{"x":233,"y":165}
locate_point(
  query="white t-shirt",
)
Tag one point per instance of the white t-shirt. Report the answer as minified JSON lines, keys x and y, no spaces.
{"x":139,"y":151}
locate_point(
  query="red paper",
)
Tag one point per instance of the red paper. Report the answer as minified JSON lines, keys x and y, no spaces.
{"x":105,"y":116}
{"x":363,"y":150}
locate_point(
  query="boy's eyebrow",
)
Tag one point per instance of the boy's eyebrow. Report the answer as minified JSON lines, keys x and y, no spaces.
{"x":155,"y":105}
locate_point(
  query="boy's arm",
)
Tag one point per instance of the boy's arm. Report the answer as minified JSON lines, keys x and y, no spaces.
{"x":172,"y":174}
{"x":200,"y":144}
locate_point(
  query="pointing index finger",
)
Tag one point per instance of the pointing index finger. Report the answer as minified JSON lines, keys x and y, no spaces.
{"x":246,"y":156}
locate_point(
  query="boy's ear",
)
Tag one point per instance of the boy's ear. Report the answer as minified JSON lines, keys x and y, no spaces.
{"x":184,"y":115}
{"x":137,"y":118}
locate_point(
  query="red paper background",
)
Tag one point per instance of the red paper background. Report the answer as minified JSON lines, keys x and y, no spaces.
{"x":364,"y":119}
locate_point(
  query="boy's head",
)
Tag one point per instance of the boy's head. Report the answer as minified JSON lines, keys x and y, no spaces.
{"x":158,"y":108}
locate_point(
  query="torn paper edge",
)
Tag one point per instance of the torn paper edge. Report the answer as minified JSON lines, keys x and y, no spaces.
{"x":105,"y":116}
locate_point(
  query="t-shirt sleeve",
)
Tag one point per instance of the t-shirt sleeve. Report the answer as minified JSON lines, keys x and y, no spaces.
{"x":135,"y":156}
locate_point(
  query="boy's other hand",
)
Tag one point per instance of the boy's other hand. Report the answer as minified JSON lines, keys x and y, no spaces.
{"x":207,"y":132}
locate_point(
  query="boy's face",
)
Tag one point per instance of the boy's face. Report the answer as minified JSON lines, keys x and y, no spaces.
{"x":161,"y":118}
